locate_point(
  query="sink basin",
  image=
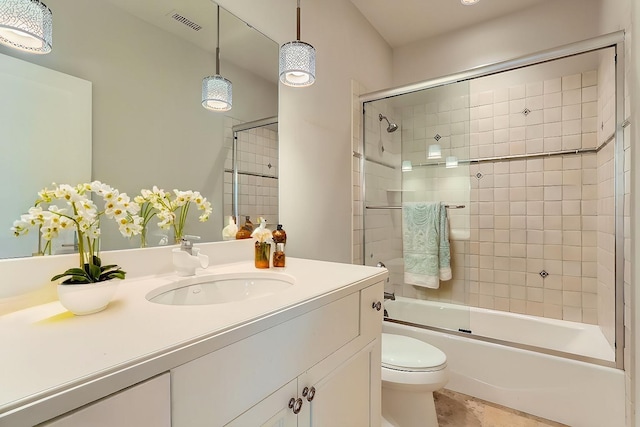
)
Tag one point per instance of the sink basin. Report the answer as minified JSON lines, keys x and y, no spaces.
{"x":220,"y":288}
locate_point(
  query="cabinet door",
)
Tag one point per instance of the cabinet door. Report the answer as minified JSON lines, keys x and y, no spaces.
{"x":145,"y":404}
{"x":273,"y":411}
{"x":218,"y":387}
{"x":342,"y":395}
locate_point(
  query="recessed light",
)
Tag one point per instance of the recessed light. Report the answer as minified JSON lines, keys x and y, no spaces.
{"x":469,"y":2}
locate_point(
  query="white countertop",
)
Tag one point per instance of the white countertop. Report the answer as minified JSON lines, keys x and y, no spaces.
{"x":47,"y":352}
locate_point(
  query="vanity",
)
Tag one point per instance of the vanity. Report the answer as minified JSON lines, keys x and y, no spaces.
{"x":303,"y":355}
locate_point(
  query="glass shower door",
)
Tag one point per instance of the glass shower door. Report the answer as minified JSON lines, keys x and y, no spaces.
{"x":416,"y":149}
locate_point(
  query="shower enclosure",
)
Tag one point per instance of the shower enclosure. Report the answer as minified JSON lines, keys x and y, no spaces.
{"x":528,"y":158}
{"x":251,"y":171}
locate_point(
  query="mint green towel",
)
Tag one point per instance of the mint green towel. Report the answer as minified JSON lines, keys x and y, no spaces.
{"x":425,"y":241}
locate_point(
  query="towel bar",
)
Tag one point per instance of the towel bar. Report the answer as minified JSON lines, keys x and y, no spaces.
{"x":400,"y":207}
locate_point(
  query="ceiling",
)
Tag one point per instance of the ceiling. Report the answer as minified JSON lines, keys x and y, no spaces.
{"x":405,"y":21}
{"x":239,"y":42}
{"x":398,"y":21}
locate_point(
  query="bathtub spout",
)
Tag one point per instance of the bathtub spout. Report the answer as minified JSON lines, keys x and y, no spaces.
{"x":390,"y":295}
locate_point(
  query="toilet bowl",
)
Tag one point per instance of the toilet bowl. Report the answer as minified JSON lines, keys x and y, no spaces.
{"x":411,"y":371}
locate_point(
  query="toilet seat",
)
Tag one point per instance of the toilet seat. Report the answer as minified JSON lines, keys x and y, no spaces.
{"x":402,"y":353}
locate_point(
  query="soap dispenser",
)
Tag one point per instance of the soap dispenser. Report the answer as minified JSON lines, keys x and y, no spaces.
{"x":280,"y":239}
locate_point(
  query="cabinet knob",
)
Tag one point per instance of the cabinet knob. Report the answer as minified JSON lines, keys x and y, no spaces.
{"x":312,"y":394}
{"x":377,"y":306}
{"x":295,"y":405}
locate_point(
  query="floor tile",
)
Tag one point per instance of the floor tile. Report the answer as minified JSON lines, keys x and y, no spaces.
{"x":460,"y":410}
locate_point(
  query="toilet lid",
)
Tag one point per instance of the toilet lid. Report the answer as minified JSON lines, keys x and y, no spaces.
{"x":401,"y":352}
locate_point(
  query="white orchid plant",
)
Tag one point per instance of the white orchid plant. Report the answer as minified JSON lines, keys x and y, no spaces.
{"x":76,"y":210}
{"x":171,"y":209}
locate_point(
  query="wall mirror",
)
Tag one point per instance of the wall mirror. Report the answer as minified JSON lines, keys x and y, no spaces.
{"x":147,"y":126}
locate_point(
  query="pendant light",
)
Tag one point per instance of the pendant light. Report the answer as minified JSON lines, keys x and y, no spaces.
{"x":216,"y":90}
{"x":26,"y":25}
{"x":297,"y":60}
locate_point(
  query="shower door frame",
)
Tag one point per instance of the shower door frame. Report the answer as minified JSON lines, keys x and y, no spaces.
{"x":612,"y":40}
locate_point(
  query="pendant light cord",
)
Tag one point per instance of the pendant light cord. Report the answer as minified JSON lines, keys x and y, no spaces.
{"x":298,"y":21}
{"x":218,"y":43}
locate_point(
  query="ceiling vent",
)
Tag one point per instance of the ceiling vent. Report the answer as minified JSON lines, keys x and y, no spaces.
{"x":186,"y":21}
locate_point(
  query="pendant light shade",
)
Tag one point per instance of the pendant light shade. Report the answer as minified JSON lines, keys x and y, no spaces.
{"x":217,"y":92}
{"x":26,"y":25}
{"x":297,"y":60}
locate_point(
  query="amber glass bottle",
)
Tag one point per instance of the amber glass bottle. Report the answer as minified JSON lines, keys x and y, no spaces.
{"x":244,"y":232}
{"x":280,"y":239}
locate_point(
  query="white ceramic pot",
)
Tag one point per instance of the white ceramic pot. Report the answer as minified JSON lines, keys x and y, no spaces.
{"x":89,"y":298}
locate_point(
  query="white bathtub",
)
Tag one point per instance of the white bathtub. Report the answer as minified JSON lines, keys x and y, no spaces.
{"x":569,"y":391}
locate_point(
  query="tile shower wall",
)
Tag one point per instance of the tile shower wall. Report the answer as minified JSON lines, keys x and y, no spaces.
{"x":535,"y":235}
{"x":356,"y":180}
{"x":257,"y":173}
{"x":532,"y":216}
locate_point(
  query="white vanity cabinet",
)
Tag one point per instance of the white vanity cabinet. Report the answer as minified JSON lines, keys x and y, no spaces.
{"x":321,"y":368}
{"x":144,"y":404}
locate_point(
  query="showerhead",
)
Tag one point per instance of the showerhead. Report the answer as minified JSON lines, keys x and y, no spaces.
{"x":392,"y":126}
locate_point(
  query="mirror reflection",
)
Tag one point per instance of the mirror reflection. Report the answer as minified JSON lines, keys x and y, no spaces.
{"x":147,"y":126}
{"x":251,"y":172}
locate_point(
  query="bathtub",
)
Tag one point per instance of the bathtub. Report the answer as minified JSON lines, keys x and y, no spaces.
{"x":507,"y":370}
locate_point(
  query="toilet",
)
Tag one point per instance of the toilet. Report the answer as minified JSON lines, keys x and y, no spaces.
{"x":411,"y":371}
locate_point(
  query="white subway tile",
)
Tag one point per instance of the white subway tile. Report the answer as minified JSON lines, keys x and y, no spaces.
{"x":552,"y":85}
{"x":589,"y":78}
{"x":570,"y":97}
{"x":552,"y":144}
{"x":590,"y":94}
{"x":517,"y":92}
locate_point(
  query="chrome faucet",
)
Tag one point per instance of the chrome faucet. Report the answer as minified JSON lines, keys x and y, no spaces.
{"x":186,"y":258}
{"x":392,"y":297}
{"x":186,"y":243}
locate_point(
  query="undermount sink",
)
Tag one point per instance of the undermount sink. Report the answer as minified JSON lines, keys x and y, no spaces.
{"x":220,"y":288}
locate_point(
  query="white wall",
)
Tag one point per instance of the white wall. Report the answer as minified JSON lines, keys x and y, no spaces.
{"x":551,"y":24}
{"x":315,"y":122}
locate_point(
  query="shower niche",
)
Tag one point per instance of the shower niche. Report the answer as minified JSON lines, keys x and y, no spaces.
{"x":528,"y":158}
